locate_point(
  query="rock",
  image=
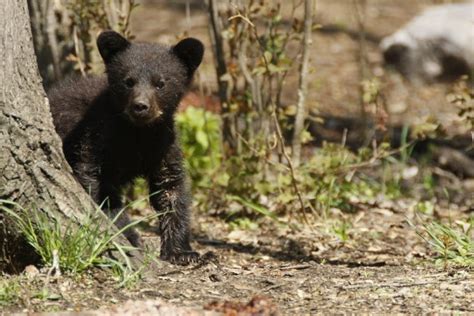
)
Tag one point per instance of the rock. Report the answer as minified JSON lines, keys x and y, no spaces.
{"x":31,"y":271}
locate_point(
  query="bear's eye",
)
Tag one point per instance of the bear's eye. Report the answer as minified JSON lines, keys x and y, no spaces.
{"x":129,"y":82}
{"x":159,"y":84}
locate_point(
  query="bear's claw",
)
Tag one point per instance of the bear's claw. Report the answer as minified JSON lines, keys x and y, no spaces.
{"x":182,"y":258}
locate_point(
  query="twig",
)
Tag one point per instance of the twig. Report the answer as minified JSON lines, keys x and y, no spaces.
{"x":188,"y":15}
{"x":272,"y":287}
{"x":255,"y":151}
{"x":296,"y":267}
{"x":294,"y":181}
{"x":379,"y":285}
{"x":256,"y":92}
{"x":240,"y":16}
{"x":77,"y":51}
{"x":376,"y":157}
{"x":292,"y":170}
{"x":54,"y":267}
{"x":127,"y":8}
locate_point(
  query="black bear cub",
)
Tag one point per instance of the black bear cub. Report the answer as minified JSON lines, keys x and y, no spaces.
{"x":120,"y":126}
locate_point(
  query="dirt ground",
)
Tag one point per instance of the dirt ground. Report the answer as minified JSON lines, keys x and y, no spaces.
{"x":382,"y":266}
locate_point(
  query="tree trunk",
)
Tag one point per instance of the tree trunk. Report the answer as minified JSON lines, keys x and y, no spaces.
{"x":52,"y":38}
{"x":303,"y":83}
{"x":215,"y":32}
{"x":33,"y":170}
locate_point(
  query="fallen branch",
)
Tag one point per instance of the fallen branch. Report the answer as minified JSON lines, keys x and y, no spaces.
{"x":396,"y":285}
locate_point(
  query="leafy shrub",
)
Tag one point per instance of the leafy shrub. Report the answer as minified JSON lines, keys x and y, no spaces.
{"x":201,"y":143}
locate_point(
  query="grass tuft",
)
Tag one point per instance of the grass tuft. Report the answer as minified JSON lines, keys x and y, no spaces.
{"x":453,"y":244}
{"x":73,"y":248}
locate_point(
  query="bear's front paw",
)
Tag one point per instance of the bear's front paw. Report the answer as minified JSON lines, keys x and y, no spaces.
{"x":181,"y":258}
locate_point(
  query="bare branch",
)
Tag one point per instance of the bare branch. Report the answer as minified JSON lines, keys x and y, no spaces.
{"x":303,"y":83}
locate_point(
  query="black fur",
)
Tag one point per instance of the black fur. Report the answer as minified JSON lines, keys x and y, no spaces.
{"x":120,"y":126}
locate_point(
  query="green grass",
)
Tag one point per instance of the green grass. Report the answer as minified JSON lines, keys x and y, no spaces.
{"x":341,"y":230}
{"x":453,"y":244}
{"x":74,"y":248}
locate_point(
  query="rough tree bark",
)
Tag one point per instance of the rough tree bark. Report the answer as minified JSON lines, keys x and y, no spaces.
{"x":33,"y":171}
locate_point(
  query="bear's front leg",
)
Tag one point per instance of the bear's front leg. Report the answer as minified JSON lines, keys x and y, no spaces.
{"x":107,"y":194}
{"x":112,"y":205}
{"x":171,"y":199}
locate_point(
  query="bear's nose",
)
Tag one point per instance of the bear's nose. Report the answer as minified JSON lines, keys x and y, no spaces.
{"x":140,"y":107}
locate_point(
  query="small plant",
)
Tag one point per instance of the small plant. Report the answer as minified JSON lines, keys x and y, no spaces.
{"x":73,"y":248}
{"x":341,"y":230}
{"x":425,"y":207}
{"x":244,"y":224}
{"x":9,"y":291}
{"x":452,"y":243}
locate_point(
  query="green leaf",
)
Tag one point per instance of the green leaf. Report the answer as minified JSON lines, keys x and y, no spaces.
{"x":254,"y":206}
{"x":268,"y":56}
{"x":201,"y":138}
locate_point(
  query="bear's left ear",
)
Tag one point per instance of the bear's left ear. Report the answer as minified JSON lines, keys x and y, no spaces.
{"x":110,"y":43}
{"x":190,"y":51}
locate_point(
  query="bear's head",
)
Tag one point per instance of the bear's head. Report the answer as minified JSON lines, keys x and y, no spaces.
{"x":148,"y":80}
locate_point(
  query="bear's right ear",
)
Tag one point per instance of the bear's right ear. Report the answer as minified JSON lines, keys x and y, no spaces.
{"x":110,"y":43}
{"x":190,"y":51}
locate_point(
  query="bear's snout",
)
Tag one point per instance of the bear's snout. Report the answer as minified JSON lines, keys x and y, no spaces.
{"x":140,"y":108}
{"x":143,"y":107}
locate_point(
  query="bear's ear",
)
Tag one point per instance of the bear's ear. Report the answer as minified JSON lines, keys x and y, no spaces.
{"x":110,"y":43}
{"x":190,"y":51}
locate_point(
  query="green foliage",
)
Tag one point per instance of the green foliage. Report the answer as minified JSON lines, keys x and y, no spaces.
{"x":453,"y":244}
{"x":9,"y":291}
{"x":341,"y":230}
{"x":334,"y":177}
{"x":201,"y":141}
{"x":258,"y":59}
{"x":425,"y":207}
{"x":45,"y":294}
{"x":74,"y":248}
{"x":253,"y":206}
{"x":243,"y":223}
{"x":136,"y":195}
